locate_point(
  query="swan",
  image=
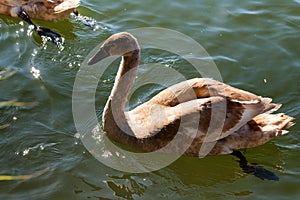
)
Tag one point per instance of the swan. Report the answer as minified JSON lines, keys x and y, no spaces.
{"x":152,"y":125}
{"x":39,"y":9}
{"x":50,"y":10}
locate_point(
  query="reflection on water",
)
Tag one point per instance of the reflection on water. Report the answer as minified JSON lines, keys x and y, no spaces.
{"x":254,"y":44}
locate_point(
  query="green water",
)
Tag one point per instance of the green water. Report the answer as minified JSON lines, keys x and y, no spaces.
{"x":255,"y":46}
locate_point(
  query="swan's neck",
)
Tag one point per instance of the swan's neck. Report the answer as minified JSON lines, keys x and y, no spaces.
{"x":114,"y":120}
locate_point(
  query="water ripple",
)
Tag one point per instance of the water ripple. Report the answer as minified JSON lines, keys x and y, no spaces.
{"x":254,"y":43}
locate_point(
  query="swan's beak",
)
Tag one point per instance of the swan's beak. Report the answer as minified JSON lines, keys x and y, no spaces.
{"x":100,"y":55}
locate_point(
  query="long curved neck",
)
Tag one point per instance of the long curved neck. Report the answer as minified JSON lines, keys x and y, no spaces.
{"x":124,"y":80}
{"x":114,"y":120}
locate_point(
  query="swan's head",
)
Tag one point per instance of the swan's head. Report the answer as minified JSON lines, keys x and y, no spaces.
{"x":120,"y":44}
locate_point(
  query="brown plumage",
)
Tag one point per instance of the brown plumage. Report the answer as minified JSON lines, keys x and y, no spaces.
{"x":39,"y":9}
{"x":208,"y":113}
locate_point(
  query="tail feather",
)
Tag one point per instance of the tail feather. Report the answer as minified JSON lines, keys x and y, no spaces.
{"x":273,"y":123}
{"x":269,"y":106}
{"x":258,"y":131}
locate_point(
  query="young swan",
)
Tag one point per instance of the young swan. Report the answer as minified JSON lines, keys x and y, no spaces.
{"x":39,"y":9}
{"x":42,"y":9}
{"x":201,"y":111}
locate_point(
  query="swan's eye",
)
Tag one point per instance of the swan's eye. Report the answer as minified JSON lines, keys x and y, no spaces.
{"x":113,"y":46}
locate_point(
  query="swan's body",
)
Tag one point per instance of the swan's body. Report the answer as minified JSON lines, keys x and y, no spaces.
{"x":154,"y":124}
{"x":39,"y":9}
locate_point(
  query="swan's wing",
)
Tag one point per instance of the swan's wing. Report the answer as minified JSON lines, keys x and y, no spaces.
{"x":219,"y":117}
{"x":66,"y":5}
{"x":201,"y":88}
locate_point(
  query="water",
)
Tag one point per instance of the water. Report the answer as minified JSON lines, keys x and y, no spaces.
{"x":255,"y":46}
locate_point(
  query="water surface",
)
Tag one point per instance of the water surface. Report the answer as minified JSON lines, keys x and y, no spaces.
{"x":255,"y":46}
